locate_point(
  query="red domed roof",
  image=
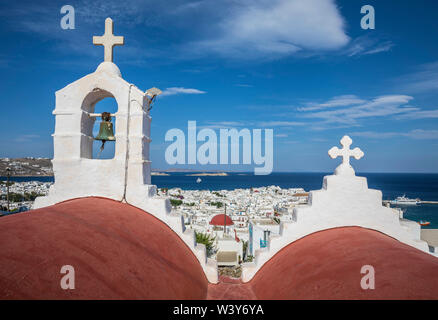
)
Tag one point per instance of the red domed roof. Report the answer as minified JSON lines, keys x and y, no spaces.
{"x":117,"y":252}
{"x":121,"y":252}
{"x":220,"y":219}
{"x":327,"y":265}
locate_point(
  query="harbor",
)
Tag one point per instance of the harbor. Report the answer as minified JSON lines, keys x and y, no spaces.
{"x":24,"y":189}
{"x":385,"y":202}
{"x":429,"y":202}
{"x":420,"y":202}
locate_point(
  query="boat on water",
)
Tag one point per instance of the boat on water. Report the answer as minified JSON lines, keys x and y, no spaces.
{"x":198,"y":180}
{"x":403,"y":200}
{"x":423,"y":223}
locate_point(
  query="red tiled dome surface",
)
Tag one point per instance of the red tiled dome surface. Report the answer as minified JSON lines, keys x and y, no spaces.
{"x":220,"y":219}
{"x":327,"y":264}
{"x":118,"y":252}
{"x":121,"y":252}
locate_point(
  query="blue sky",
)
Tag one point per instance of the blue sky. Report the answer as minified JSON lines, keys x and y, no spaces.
{"x":303,"y":68}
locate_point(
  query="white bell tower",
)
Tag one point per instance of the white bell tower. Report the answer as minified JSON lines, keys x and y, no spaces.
{"x":126,"y":177}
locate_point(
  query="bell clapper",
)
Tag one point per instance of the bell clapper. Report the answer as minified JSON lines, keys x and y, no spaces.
{"x":101,"y":149}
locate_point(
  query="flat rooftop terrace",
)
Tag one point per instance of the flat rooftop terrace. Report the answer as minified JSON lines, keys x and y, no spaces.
{"x":430,"y":236}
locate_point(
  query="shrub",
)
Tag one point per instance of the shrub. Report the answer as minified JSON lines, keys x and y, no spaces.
{"x":217,"y":194}
{"x":206,"y":240}
{"x":218,"y":204}
{"x":175,"y":203}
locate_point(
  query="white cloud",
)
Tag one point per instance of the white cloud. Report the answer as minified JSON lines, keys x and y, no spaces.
{"x":420,"y":114}
{"x":223,"y":124}
{"x":366,"y":45}
{"x":423,"y":79}
{"x":381,"y":47}
{"x":180,"y":90}
{"x":239,"y":29}
{"x":280,"y":27}
{"x":419,"y":134}
{"x":381,"y":106}
{"x":26,"y":137}
{"x":344,"y":100}
{"x":255,"y":124}
{"x":280,"y":123}
{"x":348,"y":111}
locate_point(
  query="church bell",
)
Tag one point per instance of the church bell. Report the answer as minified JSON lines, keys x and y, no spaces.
{"x":106,"y":131}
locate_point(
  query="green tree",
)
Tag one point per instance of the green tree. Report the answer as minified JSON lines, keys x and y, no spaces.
{"x":217,"y":194}
{"x":175,"y":203}
{"x":218,"y":204}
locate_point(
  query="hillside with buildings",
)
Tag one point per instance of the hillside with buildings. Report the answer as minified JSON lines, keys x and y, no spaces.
{"x":26,"y":167}
{"x":40,"y":167}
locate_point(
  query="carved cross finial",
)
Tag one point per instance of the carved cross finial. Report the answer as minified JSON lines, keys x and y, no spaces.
{"x":109,"y":40}
{"x":345,"y":153}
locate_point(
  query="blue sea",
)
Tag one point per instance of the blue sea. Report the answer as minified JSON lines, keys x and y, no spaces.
{"x":392,"y":185}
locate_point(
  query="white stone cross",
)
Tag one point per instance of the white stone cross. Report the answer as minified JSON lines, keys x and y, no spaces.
{"x":109,"y":40}
{"x":345,"y":153}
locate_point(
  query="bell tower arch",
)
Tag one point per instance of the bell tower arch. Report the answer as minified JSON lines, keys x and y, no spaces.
{"x":88,"y":123}
{"x":127,"y":176}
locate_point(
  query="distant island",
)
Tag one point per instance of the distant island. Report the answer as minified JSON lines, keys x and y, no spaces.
{"x":205,"y":174}
{"x":42,"y":167}
{"x":156,"y":173}
{"x":27,"y":167}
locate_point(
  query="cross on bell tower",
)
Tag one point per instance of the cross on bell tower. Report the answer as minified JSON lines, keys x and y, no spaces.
{"x":345,"y":168}
{"x":109,"y":40}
